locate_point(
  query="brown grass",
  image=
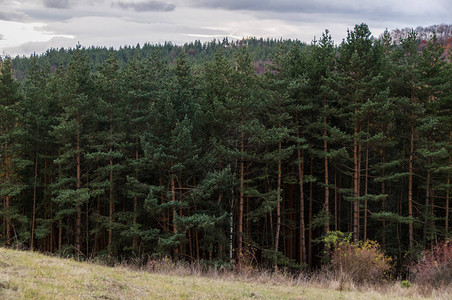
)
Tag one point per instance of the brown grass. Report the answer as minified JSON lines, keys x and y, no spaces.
{"x":29,"y":275}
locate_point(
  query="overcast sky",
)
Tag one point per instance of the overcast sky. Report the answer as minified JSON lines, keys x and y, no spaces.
{"x":28,"y":26}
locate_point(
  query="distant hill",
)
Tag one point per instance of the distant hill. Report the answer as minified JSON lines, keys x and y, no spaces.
{"x":197,"y":53}
{"x":443,"y":34}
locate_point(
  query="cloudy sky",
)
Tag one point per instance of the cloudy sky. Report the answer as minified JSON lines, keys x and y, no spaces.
{"x":28,"y":26}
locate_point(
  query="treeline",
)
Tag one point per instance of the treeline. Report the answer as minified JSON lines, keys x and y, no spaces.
{"x":225,"y":165}
{"x":443,"y":33}
{"x":198,"y":53}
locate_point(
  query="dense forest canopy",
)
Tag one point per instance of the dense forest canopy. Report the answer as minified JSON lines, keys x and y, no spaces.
{"x":242,"y":153}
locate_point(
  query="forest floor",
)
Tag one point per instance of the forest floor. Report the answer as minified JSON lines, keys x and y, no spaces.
{"x":30,"y":275}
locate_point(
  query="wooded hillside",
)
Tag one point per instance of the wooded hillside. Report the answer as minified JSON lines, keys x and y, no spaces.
{"x":209,"y":160}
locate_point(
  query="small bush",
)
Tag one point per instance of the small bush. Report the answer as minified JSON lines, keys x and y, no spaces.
{"x":434,"y":268}
{"x":405,"y":284}
{"x":361,"y":262}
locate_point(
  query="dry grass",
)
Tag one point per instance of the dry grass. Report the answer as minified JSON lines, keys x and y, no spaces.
{"x":28,"y":275}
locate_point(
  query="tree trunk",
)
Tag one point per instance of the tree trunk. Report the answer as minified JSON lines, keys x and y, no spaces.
{"x":448,"y":185}
{"x":383,"y":191}
{"x":231,"y":229}
{"x":355,"y":182}
{"x":302,"y":232}
{"x":427,"y":218}
{"x":241,"y":199}
{"x":135,"y":199}
{"x":60,"y":222}
{"x":366,"y":182}
{"x":46,"y":183}
{"x":410,"y":181}
{"x":173,"y":199}
{"x":78,"y":225}
{"x":325,"y":153}
{"x":278,"y":199}
{"x":335,"y":201}
{"x":33,"y":217}
{"x":87,"y":249}
{"x":311,"y":170}
{"x":7,"y":197}
{"x":111,"y":199}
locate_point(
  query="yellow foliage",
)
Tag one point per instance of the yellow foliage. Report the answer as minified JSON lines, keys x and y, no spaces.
{"x":361,"y":261}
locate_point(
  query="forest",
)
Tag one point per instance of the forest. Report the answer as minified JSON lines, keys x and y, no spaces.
{"x":231,"y":153}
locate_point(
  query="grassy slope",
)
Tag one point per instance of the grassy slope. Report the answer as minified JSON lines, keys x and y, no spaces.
{"x":27,"y":275}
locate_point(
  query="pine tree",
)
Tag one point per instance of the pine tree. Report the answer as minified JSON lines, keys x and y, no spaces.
{"x":104,"y":156}
{"x":355,"y":61}
{"x":407,"y":59}
{"x":38,"y":147}
{"x":73,"y":135}
{"x":143,"y":83}
{"x":11,"y":132}
{"x":432,"y":133}
{"x":276,"y":137}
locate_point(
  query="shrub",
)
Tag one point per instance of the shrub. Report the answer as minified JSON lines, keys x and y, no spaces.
{"x":434,"y":266}
{"x":359,"y":262}
{"x":405,"y":284}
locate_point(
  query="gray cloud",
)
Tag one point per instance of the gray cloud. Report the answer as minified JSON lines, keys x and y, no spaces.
{"x":39,"y":47}
{"x":278,"y":6}
{"x":62,"y":4}
{"x":2,"y":37}
{"x":11,"y":16}
{"x":358,"y":9}
{"x":146,"y":6}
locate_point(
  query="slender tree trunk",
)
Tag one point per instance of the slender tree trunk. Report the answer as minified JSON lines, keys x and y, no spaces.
{"x":190,"y":245}
{"x":383,"y":191}
{"x":79,"y":185}
{"x":48,"y":182}
{"x":410,"y":181}
{"x":339,"y":204}
{"x":359,"y":184}
{"x":97,"y":236}
{"x":335,"y":201}
{"x":241,"y":199}
{"x":8,"y":220}
{"x":7,"y":197}
{"x":448,"y":185}
{"x":4,"y":218}
{"x":52,"y":230}
{"x":433,"y":235}
{"x":325,"y":153}
{"x":60,"y":222}
{"x":231,"y":228}
{"x":87,"y":249}
{"x":278,"y":198}
{"x":111,"y":198}
{"x":183,"y":246}
{"x":198,"y":257}
{"x":197,"y":241}
{"x":311,"y":172}
{"x":33,"y":217}
{"x":366,"y":183}
{"x":427,"y":202}
{"x":173,"y":198}
{"x":302,"y":232}
{"x":355,"y":182}
{"x":135,"y":199}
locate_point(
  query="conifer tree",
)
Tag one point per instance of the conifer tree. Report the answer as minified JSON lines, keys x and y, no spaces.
{"x":105,"y":149}
{"x":12,"y":164}
{"x":38,"y":147}
{"x":73,"y":135}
